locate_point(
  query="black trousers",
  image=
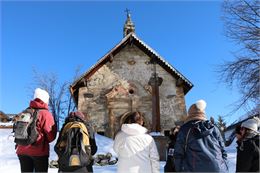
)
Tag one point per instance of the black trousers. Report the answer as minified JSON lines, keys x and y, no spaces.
{"x":79,"y":170}
{"x":90,"y":168}
{"x":33,"y":163}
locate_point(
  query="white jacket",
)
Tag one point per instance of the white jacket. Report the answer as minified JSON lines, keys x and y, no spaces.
{"x":136,"y":150}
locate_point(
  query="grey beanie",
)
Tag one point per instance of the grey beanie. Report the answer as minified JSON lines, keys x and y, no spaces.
{"x":251,"y":124}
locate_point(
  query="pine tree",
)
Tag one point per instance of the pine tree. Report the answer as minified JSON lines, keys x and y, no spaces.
{"x":221,"y":124}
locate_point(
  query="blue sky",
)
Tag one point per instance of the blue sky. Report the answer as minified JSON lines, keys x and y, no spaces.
{"x":59,"y":36}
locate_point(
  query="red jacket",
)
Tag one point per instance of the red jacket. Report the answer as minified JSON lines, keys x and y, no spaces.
{"x":46,"y":129}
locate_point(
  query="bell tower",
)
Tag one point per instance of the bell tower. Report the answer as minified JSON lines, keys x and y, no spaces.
{"x":129,"y":25}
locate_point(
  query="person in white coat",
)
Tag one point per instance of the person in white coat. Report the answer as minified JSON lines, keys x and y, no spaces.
{"x":136,"y":150}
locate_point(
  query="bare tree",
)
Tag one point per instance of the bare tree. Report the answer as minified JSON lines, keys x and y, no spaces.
{"x":241,"y":19}
{"x":60,"y":98}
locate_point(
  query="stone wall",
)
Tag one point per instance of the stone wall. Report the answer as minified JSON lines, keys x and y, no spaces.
{"x":122,"y":85}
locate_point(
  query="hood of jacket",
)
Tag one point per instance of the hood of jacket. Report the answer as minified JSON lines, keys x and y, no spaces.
{"x":133,"y":129}
{"x":38,"y":104}
{"x":136,"y":150}
{"x":202,"y":128}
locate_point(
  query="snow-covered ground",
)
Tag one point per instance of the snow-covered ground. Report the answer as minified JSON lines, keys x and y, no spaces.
{"x":10,"y":163}
{"x":10,"y":123}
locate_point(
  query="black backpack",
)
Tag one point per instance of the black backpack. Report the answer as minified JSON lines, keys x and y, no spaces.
{"x":24,"y":128}
{"x":73,"y":147}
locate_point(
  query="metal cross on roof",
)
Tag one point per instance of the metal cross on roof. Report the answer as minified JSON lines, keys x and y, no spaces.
{"x":127,"y":11}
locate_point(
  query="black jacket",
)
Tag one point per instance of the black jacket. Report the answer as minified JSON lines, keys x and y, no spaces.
{"x":248,"y":155}
{"x":92,"y":143}
{"x":170,"y":166}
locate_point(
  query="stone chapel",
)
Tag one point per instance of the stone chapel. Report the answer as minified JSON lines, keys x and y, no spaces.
{"x":132,"y":76}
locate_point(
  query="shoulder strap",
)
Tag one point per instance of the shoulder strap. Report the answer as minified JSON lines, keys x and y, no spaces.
{"x":188,"y":134}
{"x":70,"y":134}
{"x":35,"y":115}
{"x":186,"y":141}
{"x":35,"y":111}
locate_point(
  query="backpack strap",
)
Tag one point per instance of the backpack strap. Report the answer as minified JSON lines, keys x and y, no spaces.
{"x":78,"y":140}
{"x":187,"y":137}
{"x":34,"y":121}
{"x":186,"y":140}
{"x":35,"y":111}
{"x":35,"y":114}
{"x":69,"y":137}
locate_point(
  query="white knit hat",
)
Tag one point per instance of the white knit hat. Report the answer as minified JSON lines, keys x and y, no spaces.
{"x":251,"y":124}
{"x":42,"y":95}
{"x":201,"y":105}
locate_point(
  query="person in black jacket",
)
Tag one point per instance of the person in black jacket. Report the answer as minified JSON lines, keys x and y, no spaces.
{"x":80,"y":117}
{"x":248,"y":147}
{"x":92,"y":141}
{"x":169,"y":166}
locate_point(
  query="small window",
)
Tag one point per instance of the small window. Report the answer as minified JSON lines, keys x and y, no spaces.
{"x":131,"y":91}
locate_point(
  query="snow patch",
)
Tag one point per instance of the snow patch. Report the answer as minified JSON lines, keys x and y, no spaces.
{"x":10,"y":163}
